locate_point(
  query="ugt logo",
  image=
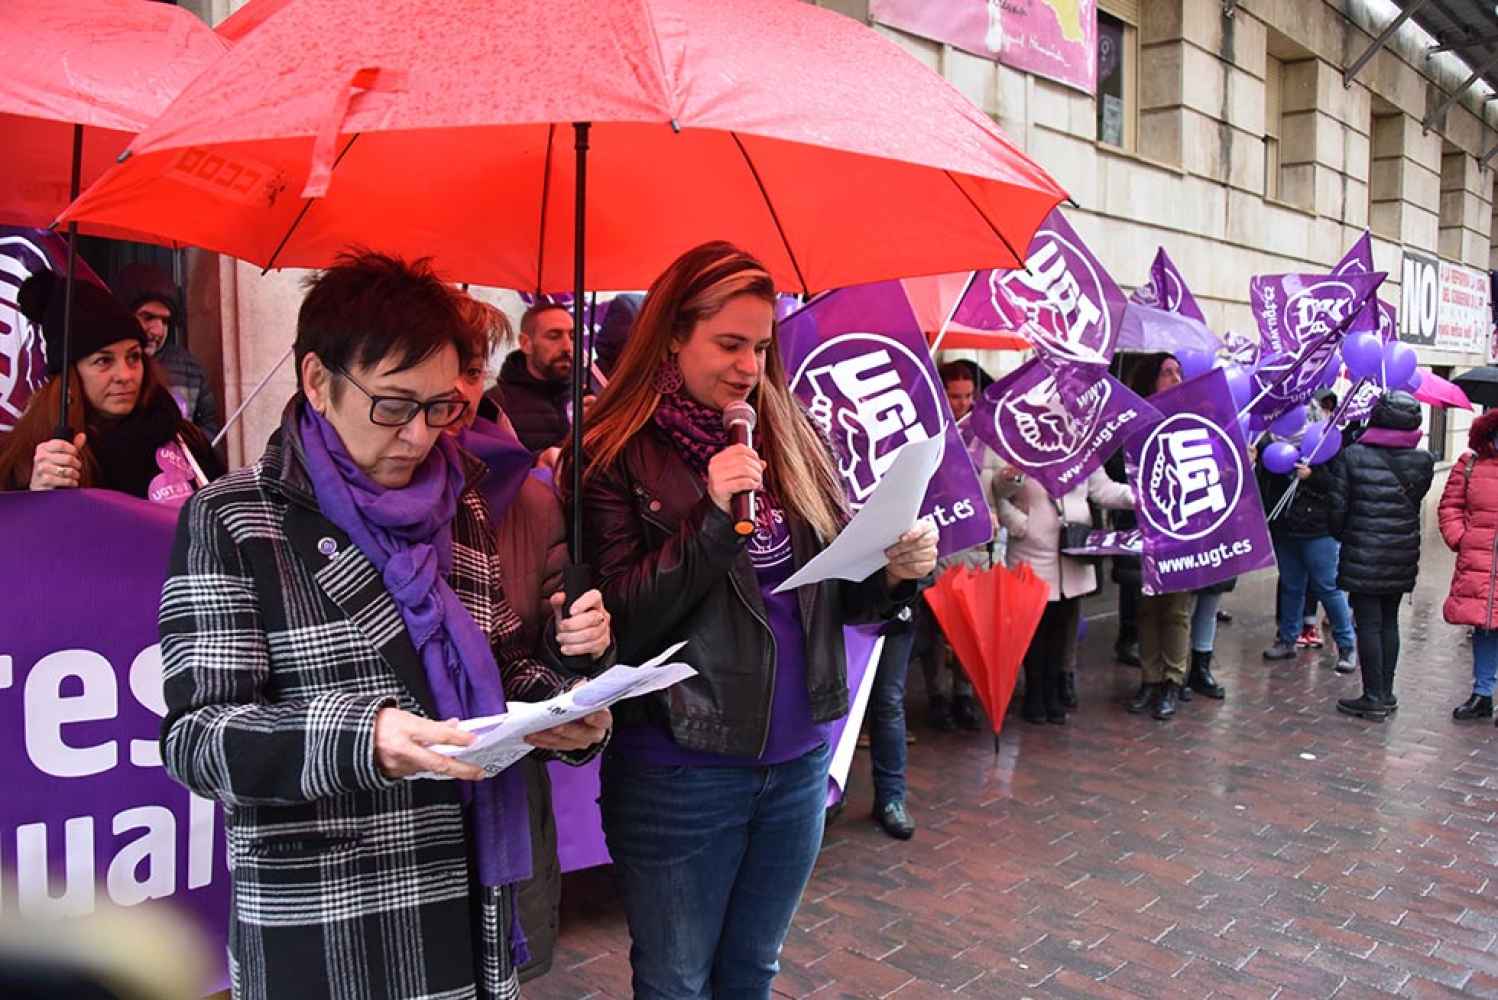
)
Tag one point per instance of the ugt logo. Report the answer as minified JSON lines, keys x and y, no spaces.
{"x":23,"y":365}
{"x":1058,"y":299}
{"x":871,"y":395}
{"x":1037,"y":426}
{"x":1193,"y":477}
{"x":1316,"y":311}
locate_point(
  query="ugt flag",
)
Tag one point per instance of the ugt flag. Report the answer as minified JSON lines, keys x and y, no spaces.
{"x":858,"y":359}
{"x":1166,"y":289}
{"x":1058,"y":437}
{"x":1306,"y":316}
{"x":1063,"y":300}
{"x":1199,"y":508}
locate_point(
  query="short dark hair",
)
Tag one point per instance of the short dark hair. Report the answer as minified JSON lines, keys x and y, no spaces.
{"x":528,"y":318}
{"x":370,"y":306}
{"x":1328,"y":400}
{"x":958,"y":371}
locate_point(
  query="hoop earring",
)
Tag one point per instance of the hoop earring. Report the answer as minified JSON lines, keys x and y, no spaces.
{"x":668,"y":376}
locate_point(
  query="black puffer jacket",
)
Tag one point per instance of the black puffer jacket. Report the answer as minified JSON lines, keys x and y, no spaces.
{"x":1376,"y":491}
{"x":1310,"y":512}
{"x":537,"y":409}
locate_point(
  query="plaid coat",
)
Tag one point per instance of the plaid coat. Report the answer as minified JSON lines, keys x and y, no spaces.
{"x":279,"y":644}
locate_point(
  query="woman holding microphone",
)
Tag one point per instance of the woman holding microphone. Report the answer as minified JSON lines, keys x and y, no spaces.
{"x":714,"y":795}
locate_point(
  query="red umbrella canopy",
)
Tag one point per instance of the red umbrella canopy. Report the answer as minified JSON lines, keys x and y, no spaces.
{"x":109,"y":65}
{"x":442,"y":127}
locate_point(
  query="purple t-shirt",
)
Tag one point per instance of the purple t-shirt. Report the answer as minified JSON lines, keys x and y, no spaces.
{"x":792,"y":732}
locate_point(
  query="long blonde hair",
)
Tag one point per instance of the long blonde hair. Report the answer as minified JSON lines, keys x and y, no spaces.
{"x":696,"y":287}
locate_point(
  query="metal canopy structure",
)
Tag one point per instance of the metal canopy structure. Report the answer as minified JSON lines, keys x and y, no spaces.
{"x":1468,"y":28}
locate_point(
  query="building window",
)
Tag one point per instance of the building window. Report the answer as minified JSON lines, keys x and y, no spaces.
{"x":1439,"y":429}
{"x":1118,"y":74}
{"x":1273,"y":120}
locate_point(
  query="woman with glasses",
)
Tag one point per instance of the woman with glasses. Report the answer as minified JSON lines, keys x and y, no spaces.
{"x":330,"y":614}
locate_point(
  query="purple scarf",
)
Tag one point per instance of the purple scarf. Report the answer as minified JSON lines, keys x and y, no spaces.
{"x":407,"y":533}
{"x":1387,"y":437}
{"x":698,"y":433}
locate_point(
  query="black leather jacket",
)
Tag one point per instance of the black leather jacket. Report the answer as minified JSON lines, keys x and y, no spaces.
{"x":672,"y":568}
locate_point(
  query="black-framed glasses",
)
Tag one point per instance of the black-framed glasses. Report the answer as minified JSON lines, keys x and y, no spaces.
{"x":398,"y":411}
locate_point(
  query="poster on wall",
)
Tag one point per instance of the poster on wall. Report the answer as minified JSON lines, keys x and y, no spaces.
{"x":1056,"y":39}
{"x":1463,"y":317}
{"x":1419,"y":304}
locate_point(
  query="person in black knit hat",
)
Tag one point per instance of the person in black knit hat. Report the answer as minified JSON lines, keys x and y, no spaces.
{"x":124,"y":427}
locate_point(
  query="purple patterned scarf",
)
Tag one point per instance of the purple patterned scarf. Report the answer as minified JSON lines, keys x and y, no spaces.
{"x":698,"y":433}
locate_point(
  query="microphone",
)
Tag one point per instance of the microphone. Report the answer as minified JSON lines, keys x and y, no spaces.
{"x":738,"y":420}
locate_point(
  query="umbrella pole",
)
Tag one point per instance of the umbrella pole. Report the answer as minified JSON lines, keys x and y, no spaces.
{"x":577,"y":576}
{"x":63,"y":432}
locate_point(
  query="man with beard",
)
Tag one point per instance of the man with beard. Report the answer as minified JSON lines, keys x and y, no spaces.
{"x":534,"y":387}
{"x":150,"y":294}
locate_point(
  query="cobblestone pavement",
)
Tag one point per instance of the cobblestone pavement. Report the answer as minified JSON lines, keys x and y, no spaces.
{"x":1264,"y":846}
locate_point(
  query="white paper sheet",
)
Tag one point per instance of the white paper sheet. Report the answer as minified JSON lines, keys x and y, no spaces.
{"x":501,"y":738}
{"x":890,"y":511}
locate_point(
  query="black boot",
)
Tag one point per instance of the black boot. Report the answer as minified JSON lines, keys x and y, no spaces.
{"x":1033,"y":709}
{"x":965,"y":713}
{"x":1068,"y":689}
{"x":1364,"y":706}
{"x":939,"y":715}
{"x":1201,"y":680}
{"x":1055,"y":711}
{"x":1143,"y":698}
{"x":1126,"y":651}
{"x":1165,"y":703}
{"x":1479,"y":706}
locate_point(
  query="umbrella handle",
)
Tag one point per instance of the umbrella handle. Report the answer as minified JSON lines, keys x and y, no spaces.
{"x":577,"y":580}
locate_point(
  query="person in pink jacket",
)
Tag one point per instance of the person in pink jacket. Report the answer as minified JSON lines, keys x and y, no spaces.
{"x":1469,"y":524}
{"x":1034,"y":521}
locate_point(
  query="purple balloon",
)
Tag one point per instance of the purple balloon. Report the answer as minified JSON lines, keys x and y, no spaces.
{"x":1399,"y":363}
{"x":1280,"y":457}
{"x":1363,"y":354}
{"x":1289,"y":423}
{"x":1321,"y":443}
{"x":1240,"y":384}
{"x":1195,"y":361}
{"x":1414,"y":383}
{"x":1332,"y":371}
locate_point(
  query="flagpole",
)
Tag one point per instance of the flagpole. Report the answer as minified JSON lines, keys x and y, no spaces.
{"x":956,"y":304}
{"x":1339,"y":329}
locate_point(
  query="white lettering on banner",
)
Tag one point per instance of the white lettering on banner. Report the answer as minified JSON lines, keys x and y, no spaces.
{"x":1196,"y":474}
{"x":1100,"y":441}
{"x":940,"y":517}
{"x":1419,"y":299}
{"x":1464,"y":316}
{"x":62,"y":692}
{"x":1213,"y":557}
{"x":1046,"y":274}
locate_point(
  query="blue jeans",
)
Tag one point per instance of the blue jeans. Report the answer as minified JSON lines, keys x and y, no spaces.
{"x":1484,"y":660}
{"x":1204,"y":621}
{"x":887,"y":719}
{"x":1309,"y":565}
{"x":712,"y":862}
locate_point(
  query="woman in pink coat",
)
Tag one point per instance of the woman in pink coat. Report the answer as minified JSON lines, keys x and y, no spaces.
{"x":1034,"y":522}
{"x":1469,"y":524}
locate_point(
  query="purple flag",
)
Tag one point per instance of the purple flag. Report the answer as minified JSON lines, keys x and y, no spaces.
{"x":1027,"y":420}
{"x":1146,"y":328}
{"x":1305,"y":318}
{"x":1063,"y":299}
{"x":1365,"y":392}
{"x":1359,"y":260}
{"x":1110,"y":543}
{"x":1166,"y":289}
{"x":1199,"y":509}
{"x":858,"y":359}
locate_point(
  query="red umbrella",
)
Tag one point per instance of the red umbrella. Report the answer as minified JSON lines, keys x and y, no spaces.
{"x":441,"y":127}
{"x":93,"y":70}
{"x":989,"y":617}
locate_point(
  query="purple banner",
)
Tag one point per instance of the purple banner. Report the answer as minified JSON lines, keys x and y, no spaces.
{"x":1032,"y":425}
{"x":1063,"y":299}
{"x":858,"y":359}
{"x":1359,"y":260}
{"x":1166,"y":289}
{"x":89,"y":811}
{"x":23,"y":360}
{"x":1199,"y":509}
{"x":1110,"y":543}
{"x":1306,"y":316}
